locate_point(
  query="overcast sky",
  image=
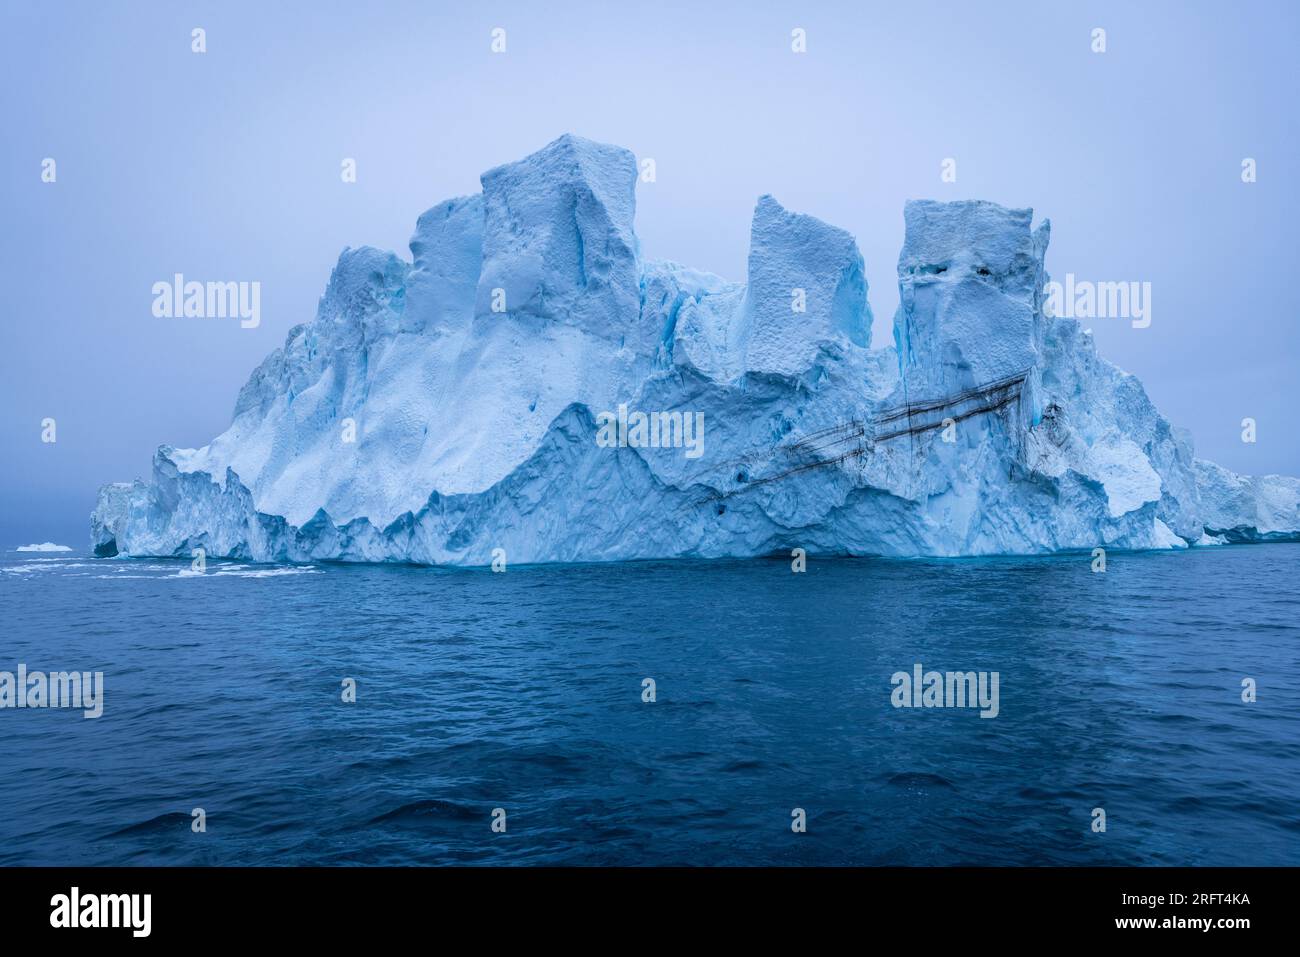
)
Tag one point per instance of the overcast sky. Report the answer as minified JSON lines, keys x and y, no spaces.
{"x":226,"y":166}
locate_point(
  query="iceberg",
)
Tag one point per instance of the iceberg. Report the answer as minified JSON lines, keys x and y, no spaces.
{"x":523,"y":383}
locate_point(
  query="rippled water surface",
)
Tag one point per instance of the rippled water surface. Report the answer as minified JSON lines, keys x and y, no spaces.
{"x":523,"y":691}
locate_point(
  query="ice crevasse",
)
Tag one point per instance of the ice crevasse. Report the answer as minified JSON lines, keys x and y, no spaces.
{"x":528,"y":382}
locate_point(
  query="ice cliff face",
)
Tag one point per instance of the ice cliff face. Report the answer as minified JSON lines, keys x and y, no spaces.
{"x":529,"y":383}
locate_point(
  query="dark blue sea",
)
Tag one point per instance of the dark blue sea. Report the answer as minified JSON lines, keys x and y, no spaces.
{"x":523,"y":691}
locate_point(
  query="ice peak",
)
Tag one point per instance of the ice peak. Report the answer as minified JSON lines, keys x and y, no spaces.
{"x":806,"y":286}
{"x":558,"y":239}
{"x":970,"y":279}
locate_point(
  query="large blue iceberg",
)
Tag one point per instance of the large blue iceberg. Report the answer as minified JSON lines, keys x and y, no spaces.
{"x":529,"y":383}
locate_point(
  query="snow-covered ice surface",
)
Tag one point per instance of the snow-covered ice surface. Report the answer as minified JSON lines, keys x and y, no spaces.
{"x":437,"y":410}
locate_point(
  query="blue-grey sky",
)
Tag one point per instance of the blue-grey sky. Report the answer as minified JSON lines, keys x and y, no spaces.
{"x":226,"y":165}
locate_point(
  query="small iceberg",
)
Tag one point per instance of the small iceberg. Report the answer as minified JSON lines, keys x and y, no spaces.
{"x":44,"y":547}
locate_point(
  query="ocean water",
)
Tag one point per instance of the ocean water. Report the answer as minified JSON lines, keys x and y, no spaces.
{"x":523,"y":691}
